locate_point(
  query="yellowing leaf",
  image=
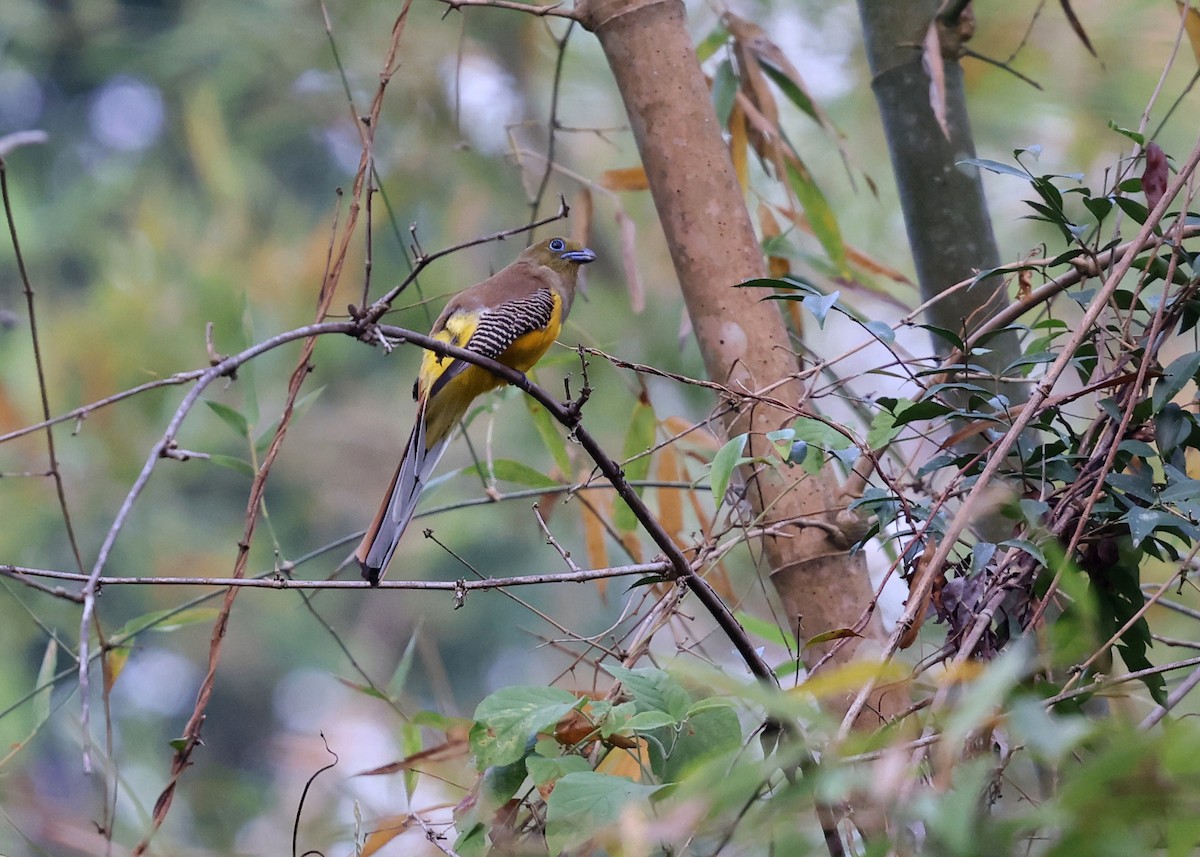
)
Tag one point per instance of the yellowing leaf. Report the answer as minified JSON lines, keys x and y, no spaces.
{"x":628,"y":178}
{"x":1191,"y":24}
{"x":387,"y":829}
{"x":670,"y":506}
{"x":851,"y":677}
{"x":114,"y":662}
{"x":626,"y":763}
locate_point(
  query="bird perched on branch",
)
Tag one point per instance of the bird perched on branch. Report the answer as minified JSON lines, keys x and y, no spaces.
{"x":512,"y":317}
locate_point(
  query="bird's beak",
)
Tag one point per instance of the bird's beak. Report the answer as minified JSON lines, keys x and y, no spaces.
{"x":580,"y":257}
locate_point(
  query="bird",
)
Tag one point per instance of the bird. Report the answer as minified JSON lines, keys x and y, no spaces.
{"x":513,"y":317}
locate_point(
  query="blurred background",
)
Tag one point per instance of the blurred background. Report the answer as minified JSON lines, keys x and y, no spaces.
{"x":191,"y":176}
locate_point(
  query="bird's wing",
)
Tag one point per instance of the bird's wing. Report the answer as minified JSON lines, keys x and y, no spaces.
{"x":491,"y":331}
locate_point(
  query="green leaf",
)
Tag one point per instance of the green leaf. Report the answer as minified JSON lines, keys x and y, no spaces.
{"x":508,"y":470}
{"x":708,"y":734}
{"x":724,"y":92}
{"x":881,"y":331}
{"x":472,"y":842}
{"x":507,"y":720}
{"x":727,"y":458}
{"x":230,"y":417}
{"x":883,"y":430}
{"x":821,"y":434}
{"x":820,"y":215}
{"x":163,"y":620}
{"x":232,"y":462}
{"x":926,"y":409}
{"x":635,"y":453}
{"x":995,"y":167}
{"x":794,"y":93}
{"x":711,"y":43}
{"x":1140,"y":139}
{"x":764,"y":630}
{"x":1133,"y":208}
{"x":45,"y":684}
{"x":1174,"y":377}
{"x":545,"y":771}
{"x":298,"y":410}
{"x":585,"y":802}
{"x":1026,"y":545}
{"x":820,"y":305}
{"x":400,"y":677}
{"x":654,"y":690}
{"x":1143,"y":522}
{"x":646,"y":720}
{"x":547,"y":430}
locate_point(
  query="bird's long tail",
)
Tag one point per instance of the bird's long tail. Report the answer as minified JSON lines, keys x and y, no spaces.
{"x":379,"y":543}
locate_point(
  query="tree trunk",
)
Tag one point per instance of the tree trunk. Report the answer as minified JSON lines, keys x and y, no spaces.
{"x":743,"y":339}
{"x":945,"y":211}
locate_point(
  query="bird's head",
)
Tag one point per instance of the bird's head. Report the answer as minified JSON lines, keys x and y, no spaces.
{"x":561,"y":254}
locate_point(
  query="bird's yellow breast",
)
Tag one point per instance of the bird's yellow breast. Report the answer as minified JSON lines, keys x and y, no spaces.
{"x":450,"y":402}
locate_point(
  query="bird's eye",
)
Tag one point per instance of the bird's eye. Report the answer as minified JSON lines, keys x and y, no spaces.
{"x":558,"y":245}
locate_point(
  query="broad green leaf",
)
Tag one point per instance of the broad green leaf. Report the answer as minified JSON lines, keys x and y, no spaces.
{"x":1143,"y":522}
{"x":723,"y":464}
{"x":821,"y":434}
{"x":881,"y":331}
{"x":789,"y":87}
{"x":926,"y":409}
{"x":585,"y":802}
{"x":646,"y":720}
{"x":654,"y":690}
{"x":1174,"y":377}
{"x":544,"y":771}
{"x":820,"y":305}
{"x":230,"y":417}
{"x":712,"y":732}
{"x":507,"y":720}
{"x":547,"y":430}
{"x":883,"y":430}
{"x":473,"y":842}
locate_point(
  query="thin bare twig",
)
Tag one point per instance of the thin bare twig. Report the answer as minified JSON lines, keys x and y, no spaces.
{"x":578,"y":575}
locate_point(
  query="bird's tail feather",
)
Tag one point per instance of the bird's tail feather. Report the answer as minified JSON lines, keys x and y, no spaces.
{"x":379,"y":543}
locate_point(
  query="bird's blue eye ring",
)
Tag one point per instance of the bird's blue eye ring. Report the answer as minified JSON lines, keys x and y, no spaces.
{"x":558,"y":245}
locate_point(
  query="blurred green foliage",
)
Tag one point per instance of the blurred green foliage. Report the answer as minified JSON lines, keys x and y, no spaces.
{"x":190,"y":178}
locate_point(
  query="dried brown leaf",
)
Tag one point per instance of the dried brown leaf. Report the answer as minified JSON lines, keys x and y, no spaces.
{"x":387,"y":829}
{"x":1073,"y":20}
{"x":739,"y":145}
{"x":670,"y":505}
{"x":633,"y":279}
{"x":1191,"y":25}
{"x":581,"y":216}
{"x":1154,"y":179}
{"x":931,"y":59}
